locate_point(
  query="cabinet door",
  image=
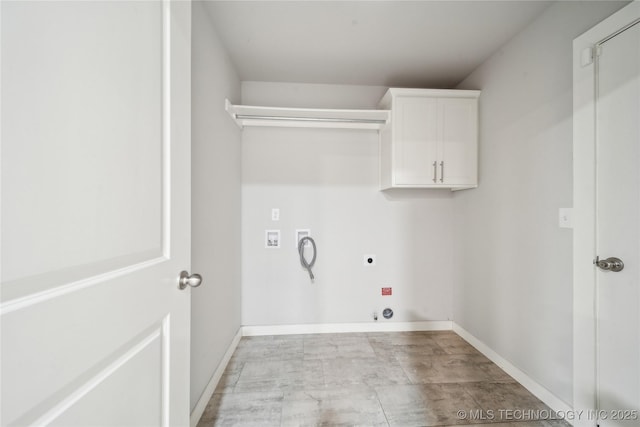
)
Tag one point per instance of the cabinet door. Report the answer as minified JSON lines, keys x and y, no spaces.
{"x":416,"y":140}
{"x":458,"y":133}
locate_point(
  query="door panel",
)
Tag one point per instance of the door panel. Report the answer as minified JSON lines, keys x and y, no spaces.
{"x":618,"y":224}
{"x":85,"y":112}
{"x":142,"y":361}
{"x":415,"y":124}
{"x":459,"y":127}
{"x":95,"y":212}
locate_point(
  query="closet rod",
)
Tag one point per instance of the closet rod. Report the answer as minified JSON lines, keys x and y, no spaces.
{"x":309,"y":119}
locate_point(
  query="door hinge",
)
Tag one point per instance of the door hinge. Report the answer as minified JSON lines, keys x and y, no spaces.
{"x":587,"y":56}
{"x":597,"y":50}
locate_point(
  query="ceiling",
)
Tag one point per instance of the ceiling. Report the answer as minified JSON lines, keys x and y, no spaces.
{"x":388,"y":43}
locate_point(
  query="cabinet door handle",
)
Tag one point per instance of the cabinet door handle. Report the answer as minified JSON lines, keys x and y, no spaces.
{"x":442,"y":171}
{"x":435,"y":172}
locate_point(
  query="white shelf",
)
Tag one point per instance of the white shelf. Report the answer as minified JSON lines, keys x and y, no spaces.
{"x":247,"y":115}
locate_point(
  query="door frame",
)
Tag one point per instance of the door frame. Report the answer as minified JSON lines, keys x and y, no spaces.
{"x":584,"y":217}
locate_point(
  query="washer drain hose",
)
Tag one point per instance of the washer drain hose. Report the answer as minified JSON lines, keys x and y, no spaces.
{"x":307,"y":265}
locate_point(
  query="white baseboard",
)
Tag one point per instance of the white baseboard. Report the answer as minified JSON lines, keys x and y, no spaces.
{"x":325,"y":328}
{"x":550,"y":399}
{"x":197,"y":412}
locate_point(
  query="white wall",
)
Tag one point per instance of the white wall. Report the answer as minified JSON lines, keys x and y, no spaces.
{"x":327,"y":180}
{"x":215,"y":306}
{"x":513,"y":284}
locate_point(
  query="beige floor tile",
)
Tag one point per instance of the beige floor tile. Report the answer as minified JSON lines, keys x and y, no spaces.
{"x":280,"y":375}
{"x":372,"y":372}
{"x":243,"y":409}
{"x":453,"y":368}
{"x":425,"y":404}
{"x":332,"y":346}
{"x":452,"y":343}
{"x":230,"y":375}
{"x":390,"y":344}
{"x":509,"y":402}
{"x":270,"y":348}
{"x":333,"y":407}
{"x":397,"y":379}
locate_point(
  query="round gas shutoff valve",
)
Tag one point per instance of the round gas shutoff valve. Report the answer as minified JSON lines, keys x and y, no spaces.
{"x":387,"y":313}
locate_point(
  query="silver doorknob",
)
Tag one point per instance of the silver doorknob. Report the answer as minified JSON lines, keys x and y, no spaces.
{"x":610,"y":264}
{"x":193,"y":280}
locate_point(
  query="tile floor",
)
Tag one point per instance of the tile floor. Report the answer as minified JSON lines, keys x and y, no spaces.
{"x":369,"y":379}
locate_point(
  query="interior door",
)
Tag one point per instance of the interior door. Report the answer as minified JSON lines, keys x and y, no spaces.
{"x":95,"y":212}
{"x":618,"y":227}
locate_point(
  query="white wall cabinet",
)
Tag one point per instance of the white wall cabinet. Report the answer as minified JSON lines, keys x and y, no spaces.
{"x":432,"y":141}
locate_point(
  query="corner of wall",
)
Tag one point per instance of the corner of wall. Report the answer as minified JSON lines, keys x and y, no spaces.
{"x":216,"y":176}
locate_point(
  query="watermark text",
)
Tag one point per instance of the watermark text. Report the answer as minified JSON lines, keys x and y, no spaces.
{"x":547,"y":414}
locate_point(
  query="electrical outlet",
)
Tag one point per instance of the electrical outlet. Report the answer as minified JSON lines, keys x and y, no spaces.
{"x":275,"y":214}
{"x":369,"y":260}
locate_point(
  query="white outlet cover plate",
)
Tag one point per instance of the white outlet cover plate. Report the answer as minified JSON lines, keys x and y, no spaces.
{"x":565,"y":217}
{"x":300,"y":233}
{"x":275,"y":214}
{"x":272,"y":239}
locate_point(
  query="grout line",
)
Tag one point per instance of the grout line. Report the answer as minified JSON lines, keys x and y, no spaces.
{"x":381,"y":407}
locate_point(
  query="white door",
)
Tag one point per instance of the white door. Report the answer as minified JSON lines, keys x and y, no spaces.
{"x":618,"y":227}
{"x":95,"y":213}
